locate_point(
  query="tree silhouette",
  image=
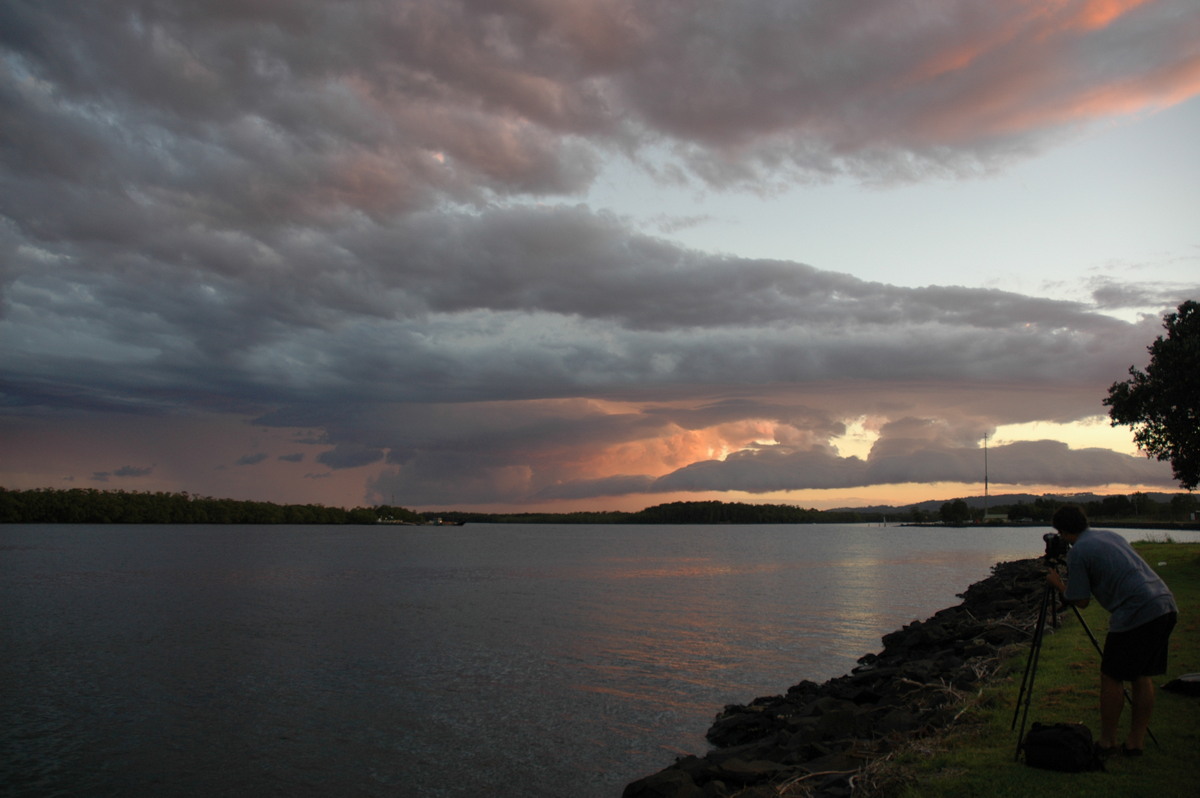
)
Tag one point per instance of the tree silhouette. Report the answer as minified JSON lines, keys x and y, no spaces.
{"x":955,"y":512}
{"x":1162,"y":404}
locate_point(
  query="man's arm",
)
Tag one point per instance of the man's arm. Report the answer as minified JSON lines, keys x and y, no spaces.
{"x":1056,"y":581}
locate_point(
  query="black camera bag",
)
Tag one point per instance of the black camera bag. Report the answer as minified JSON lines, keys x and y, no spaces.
{"x":1061,"y":746}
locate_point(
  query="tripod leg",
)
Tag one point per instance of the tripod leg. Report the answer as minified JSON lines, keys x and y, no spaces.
{"x":1035,"y":651}
{"x":1031,"y":660}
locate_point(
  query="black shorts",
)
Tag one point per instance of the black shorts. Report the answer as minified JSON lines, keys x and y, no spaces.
{"x":1141,"y":651}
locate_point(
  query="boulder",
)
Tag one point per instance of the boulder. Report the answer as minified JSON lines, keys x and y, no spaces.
{"x":664,"y":784}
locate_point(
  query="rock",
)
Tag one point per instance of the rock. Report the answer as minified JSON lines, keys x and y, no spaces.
{"x":664,"y":784}
{"x":740,"y":771}
{"x":716,"y":789}
{"x":837,"y":724}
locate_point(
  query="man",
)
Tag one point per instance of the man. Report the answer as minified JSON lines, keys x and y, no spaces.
{"x":1103,"y":564}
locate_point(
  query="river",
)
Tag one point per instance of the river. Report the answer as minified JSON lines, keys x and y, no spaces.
{"x":522,"y":660}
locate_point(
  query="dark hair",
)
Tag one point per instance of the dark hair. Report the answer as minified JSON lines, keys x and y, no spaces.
{"x":1069,"y":520}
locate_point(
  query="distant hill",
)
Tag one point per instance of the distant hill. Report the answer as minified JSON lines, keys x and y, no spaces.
{"x":996,"y":500}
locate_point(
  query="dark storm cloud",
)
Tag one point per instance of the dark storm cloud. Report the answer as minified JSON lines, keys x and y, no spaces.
{"x":309,"y":212}
{"x":510,"y":321}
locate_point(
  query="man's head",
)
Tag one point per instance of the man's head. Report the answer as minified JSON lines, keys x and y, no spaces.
{"x":1070,"y":521}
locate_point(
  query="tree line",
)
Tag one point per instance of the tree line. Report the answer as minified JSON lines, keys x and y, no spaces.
{"x":680,"y":512}
{"x":91,"y":506}
{"x":1137,"y":507}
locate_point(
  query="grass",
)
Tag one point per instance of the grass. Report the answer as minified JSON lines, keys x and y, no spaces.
{"x":976,"y":757}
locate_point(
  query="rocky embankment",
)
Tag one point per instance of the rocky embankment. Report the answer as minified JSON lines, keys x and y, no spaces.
{"x":822,"y":736}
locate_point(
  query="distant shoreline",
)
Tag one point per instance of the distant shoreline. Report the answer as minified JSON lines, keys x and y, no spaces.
{"x":1165,"y":526}
{"x":91,"y":506}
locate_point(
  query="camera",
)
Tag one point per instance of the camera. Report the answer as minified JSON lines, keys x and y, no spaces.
{"x":1056,"y":547}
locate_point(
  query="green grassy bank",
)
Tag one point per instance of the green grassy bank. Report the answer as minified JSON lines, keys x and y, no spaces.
{"x":976,"y":758}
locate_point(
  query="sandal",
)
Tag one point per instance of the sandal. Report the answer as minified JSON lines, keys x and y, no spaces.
{"x":1105,"y":751}
{"x":1127,"y":751}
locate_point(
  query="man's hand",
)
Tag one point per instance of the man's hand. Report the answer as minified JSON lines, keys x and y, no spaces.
{"x":1056,"y":581}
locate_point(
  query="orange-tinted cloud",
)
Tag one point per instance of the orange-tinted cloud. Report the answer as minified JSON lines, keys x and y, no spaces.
{"x":1097,"y":14}
{"x":1039,"y":68}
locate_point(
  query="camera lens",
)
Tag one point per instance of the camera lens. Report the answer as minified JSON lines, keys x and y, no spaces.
{"x":1056,"y":546}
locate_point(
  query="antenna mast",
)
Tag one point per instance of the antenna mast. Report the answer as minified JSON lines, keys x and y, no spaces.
{"x":985,"y":477}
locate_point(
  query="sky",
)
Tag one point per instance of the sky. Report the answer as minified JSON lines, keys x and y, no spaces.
{"x":571,"y":255}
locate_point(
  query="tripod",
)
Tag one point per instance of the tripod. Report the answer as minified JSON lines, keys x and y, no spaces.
{"x":1048,"y":607}
{"x":1035,"y":651}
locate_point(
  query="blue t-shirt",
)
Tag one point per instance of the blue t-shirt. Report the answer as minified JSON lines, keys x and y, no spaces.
{"x":1104,"y":565}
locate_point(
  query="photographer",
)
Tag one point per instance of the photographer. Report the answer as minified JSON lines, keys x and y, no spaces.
{"x":1103,"y":564}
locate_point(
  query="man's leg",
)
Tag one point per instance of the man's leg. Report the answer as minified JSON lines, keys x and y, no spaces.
{"x":1112,"y":701}
{"x":1143,"y":708}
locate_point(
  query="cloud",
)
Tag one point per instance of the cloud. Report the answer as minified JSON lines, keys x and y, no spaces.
{"x":549,"y":347}
{"x":777,"y":468}
{"x":883,"y":90}
{"x":292,"y":115}
{"x":133,"y":471}
{"x":447,"y":477}
{"x":1112,"y":295}
{"x":765,"y":470}
{"x":573,"y":451}
{"x":124,"y":472}
{"x":523,"y":304}
{"x":1052,"y":462}
{"x":350,"y":456}
{"x":362,"y":221}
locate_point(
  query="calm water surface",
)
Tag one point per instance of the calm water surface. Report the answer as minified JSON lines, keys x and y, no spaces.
{"x":530,"y":660}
